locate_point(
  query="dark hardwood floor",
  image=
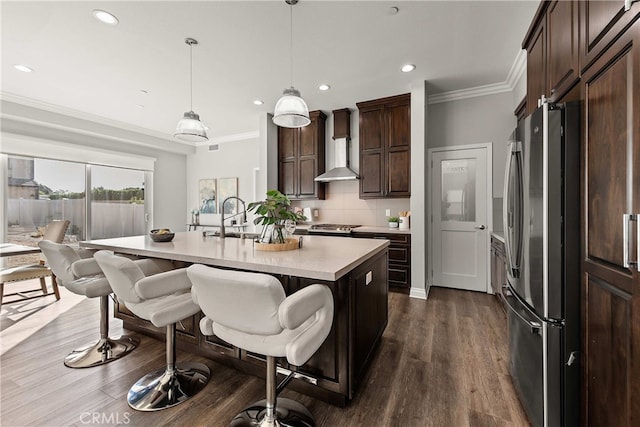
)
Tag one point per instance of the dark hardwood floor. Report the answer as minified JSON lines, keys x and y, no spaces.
{"x":442,"y":362}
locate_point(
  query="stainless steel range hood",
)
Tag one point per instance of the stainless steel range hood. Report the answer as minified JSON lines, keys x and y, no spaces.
{"x":341,"y":172}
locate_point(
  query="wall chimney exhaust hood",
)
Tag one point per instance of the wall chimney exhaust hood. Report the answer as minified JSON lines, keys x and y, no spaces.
{"x":341,"y":172}
{"x":342,"y":136}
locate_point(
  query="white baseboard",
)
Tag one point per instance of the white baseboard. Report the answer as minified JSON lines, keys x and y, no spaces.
{"x":418,"y":293}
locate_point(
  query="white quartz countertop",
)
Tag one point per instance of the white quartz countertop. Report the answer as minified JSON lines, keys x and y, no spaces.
{"x":498,"y":235}
{"x":321,"y":257}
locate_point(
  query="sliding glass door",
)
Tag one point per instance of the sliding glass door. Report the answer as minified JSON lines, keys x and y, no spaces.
{"x":38,"y":192}
{"x":117,"y":202}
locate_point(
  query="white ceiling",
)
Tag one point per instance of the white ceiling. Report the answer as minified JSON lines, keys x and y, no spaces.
{"x":357,"y":47}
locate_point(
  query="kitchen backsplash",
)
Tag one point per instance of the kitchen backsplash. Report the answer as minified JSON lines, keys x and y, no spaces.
{"x":342,"y":205}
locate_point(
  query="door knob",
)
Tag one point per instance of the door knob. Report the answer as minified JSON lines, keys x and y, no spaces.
{"x":480,"y":227}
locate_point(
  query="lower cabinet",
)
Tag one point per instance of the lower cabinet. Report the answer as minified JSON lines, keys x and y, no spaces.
{"x":498,"y":268}
{"x":359,"y":319}
{"x":399,"y":266}
{"x":369,"y":313}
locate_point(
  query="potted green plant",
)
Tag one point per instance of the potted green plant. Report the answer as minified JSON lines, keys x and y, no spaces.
{"x":393,"y":221}
{"x":272,"y":213}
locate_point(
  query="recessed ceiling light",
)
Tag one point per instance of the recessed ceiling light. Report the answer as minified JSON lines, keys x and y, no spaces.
{"x":393,"y":10}
{"x":408,"y":68}
{"x":258,"y":102}
{"x":139,"y":105}
{"x":23,"y":68}
{"x":105,"y":17}
{"x":324,"y":87}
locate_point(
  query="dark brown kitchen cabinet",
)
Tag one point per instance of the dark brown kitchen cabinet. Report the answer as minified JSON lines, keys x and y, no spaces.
{"x":385,"y":147}
{"x":498,"y":268}
{"x":370,"y":314}
{"x":521,"y":110}
{"x":399,"y":265}
{"x":611,"y":285}
{"x":552,"y":51}
{"x":601,"y":23}
{"x":301,"y":158}
{"x":536,"y":66}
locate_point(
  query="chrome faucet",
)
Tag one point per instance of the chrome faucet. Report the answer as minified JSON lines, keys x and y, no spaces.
{"x":222,"y":218}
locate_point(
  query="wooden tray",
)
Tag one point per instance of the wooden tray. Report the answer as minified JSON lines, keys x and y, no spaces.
{"x":290,"y":245}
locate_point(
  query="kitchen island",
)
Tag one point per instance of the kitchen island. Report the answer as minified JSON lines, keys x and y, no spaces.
{"x":354,"y":269}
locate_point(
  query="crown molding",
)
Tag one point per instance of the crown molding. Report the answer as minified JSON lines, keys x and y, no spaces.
{"x":80,"y":115}
{"x":518,"y":68}
{"x":515,"y":73}
{"x":231,"y":138}
{"x":69,"y":132}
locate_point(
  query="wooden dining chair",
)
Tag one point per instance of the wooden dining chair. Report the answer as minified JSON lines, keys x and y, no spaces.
{"x":54,"y":232}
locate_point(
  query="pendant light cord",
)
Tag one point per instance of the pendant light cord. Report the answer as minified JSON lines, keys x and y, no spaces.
{"x":291,"y":45}
{"x":191,"y":73}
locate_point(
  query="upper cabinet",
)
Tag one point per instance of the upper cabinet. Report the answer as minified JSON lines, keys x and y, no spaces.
{"x":601,"y":23}
{"x":552,"y":51}
{"x":301,"y":158}
{"x":611,"y":206}
{"x":385,"y":147}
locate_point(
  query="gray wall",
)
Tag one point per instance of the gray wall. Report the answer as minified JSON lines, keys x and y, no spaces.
{"x":169,"y":178}
{"x":232,"y":159}
{"x":472,"y":121}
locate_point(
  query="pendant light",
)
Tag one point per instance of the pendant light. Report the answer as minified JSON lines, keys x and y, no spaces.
{"x":291,"y":111}
{"x":190,"y":128}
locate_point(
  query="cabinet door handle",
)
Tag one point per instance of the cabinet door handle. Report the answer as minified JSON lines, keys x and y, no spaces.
{"x":480,"y":227}
{"x":626,"y":219}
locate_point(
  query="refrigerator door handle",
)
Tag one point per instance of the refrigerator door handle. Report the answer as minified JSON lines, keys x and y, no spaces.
{"x":535,"y":327}
{"x":508,"y":218}
{"x":626,"y":219}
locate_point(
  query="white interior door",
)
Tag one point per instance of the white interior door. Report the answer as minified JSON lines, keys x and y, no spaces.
{"x":459,"y":209}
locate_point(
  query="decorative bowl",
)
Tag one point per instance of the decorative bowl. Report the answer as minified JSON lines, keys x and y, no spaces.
{"x":165,"y":236}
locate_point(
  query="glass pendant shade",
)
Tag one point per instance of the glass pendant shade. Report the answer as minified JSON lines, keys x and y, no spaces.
{"x":190,"y":128}
{"x":291,"y":111}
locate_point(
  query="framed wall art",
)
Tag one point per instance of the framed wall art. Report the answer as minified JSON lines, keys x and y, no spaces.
{"x":207,"y":196}
{"x":228,"y":187}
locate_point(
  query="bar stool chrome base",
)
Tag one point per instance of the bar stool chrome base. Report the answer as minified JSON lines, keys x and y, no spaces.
{"x":168,"y":387}
{"x":104,"y":351}
{"x":289,"y":413}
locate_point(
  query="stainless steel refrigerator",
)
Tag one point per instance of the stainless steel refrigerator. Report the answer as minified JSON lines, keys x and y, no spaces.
{"x":541,"y":226}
